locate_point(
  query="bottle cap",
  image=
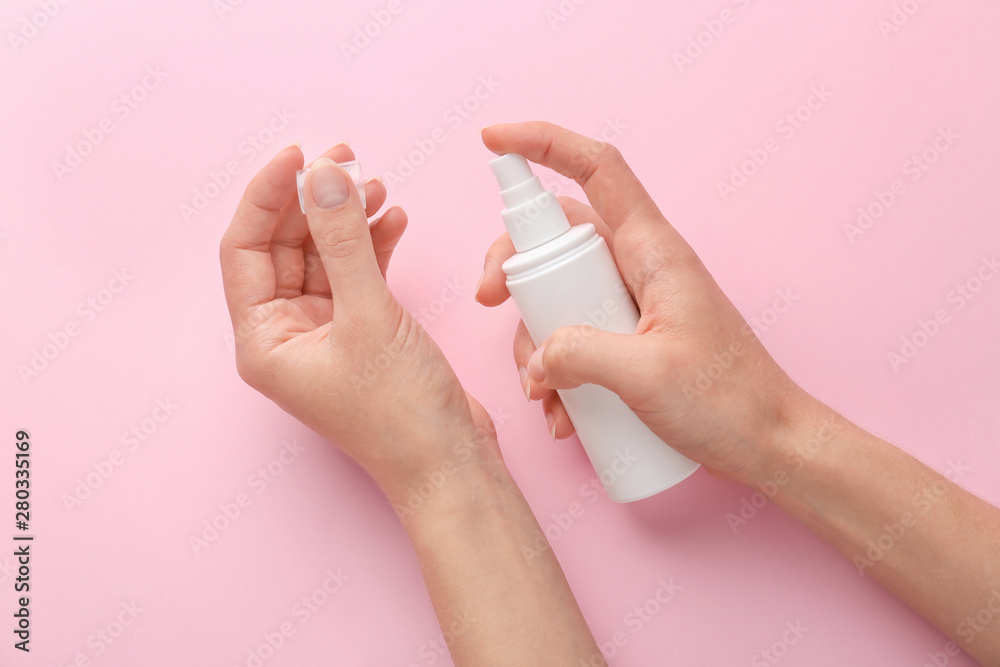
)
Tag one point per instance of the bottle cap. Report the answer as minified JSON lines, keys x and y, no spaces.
{"x":353,"y":169}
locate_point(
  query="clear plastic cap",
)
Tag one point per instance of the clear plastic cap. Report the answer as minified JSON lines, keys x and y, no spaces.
{"x":353,"y":169}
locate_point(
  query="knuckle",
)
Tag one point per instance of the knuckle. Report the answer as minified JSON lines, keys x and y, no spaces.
{"x":341,"y":248}
{"x":561,"y":347}
{"x":591,"y":158}
{"x":608,"y":152}
{"x":340,"y":245}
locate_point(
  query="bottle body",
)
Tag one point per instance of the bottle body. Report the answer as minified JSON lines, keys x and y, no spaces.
{"x":573,"y":280}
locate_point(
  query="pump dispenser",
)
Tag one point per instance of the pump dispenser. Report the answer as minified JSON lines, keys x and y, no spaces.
{"x":532,"y":214}
{"x":564,"y":275}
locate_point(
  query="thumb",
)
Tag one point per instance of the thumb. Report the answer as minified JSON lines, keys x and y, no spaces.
{"x":339,"y":229}
{"x":586,"y":355}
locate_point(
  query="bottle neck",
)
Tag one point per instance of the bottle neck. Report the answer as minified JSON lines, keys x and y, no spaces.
{"x":556,"y":250}
{"x":535,"y":221}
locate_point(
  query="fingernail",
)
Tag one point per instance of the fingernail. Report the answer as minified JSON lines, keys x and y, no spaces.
{"x":328,"y":184}
{"x":522,"y":372}
{"x":377,"y":178}
{"x":551,"y":421}
{"x":297,"y":144}
{"x":345,"y":143}
{"x":479,"y":284}
{"x":535,"y":370}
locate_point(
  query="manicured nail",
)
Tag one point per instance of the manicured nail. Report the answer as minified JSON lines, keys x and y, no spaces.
{"x":328,"y":184}
{"x":551,"y":421}
{"x":297,"y":144}
{"x":345,"y":143}
{"x":376,"y":178}
{"x":522,"y":372}
{"x":535,"y":370}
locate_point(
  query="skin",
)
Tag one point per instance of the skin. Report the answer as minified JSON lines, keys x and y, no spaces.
{"x":318,"y":332}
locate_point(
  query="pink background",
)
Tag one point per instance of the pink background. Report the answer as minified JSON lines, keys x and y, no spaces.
{"x":683,"y":127}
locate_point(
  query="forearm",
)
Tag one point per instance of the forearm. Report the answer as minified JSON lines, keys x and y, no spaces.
{"x":925,"y":539}
{"x":498,"y":591}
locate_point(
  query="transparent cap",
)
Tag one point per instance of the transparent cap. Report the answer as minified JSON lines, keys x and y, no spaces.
{"x":353,"y":169}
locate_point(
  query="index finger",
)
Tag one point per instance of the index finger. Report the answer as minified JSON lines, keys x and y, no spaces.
{"x":247,"y":267}
{"x":611,"y":186}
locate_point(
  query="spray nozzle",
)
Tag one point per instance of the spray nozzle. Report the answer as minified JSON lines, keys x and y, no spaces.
{"x":532,"y":214}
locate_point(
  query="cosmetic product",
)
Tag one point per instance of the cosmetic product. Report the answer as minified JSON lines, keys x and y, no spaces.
{"x":565,"y":275}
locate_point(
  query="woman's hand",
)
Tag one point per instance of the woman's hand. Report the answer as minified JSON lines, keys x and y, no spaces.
{"x":318,"y":331}
{"x":694,"y":372}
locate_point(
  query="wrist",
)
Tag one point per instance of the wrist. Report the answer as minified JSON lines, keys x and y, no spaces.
{"x":470,"y":467}
{"x":793,"y":435}
{"x":452,"y":494}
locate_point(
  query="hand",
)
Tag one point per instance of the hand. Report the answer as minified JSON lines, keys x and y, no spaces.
{"x":694,"y":372}
{"x":318,"y":331}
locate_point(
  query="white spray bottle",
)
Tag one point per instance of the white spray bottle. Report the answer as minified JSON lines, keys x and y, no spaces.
{"x":565,"y":275}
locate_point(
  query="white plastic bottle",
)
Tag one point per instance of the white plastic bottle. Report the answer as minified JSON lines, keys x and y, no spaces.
{"x":563,"y":275}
